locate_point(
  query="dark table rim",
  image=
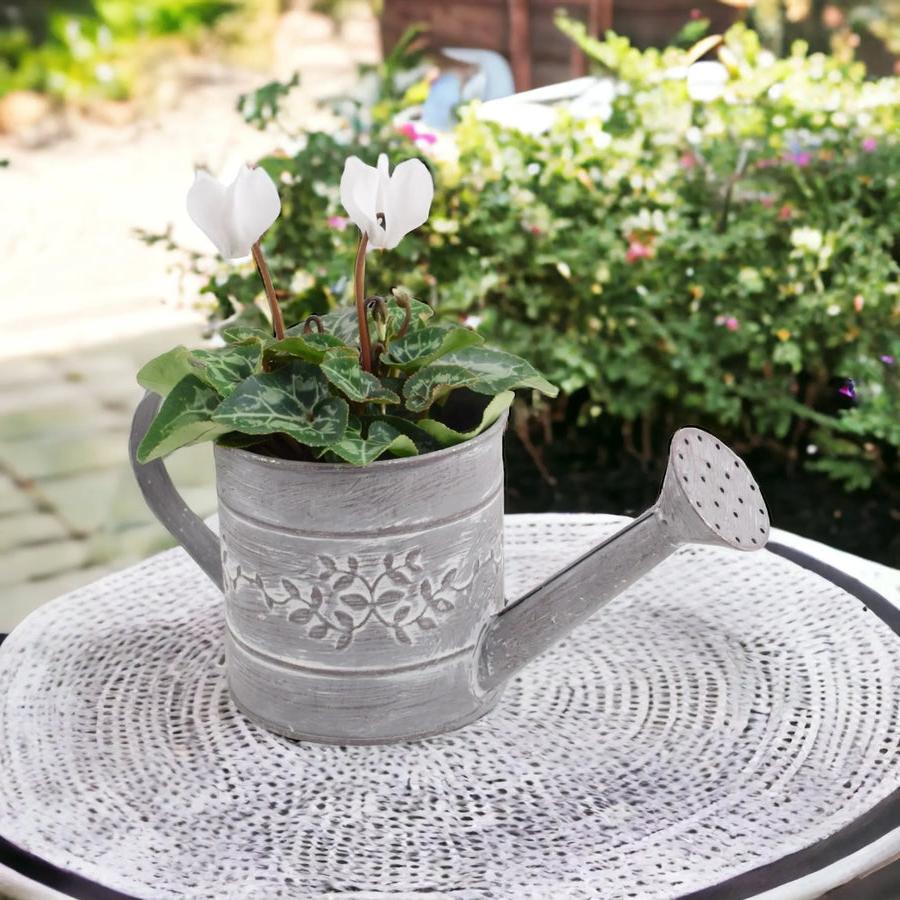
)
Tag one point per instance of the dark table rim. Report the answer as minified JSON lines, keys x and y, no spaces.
{"x":872,"y":825}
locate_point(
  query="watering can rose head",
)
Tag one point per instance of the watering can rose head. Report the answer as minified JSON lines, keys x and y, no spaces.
{"x":380,"y":377}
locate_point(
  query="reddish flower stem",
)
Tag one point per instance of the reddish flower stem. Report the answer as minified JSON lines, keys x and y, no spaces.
{"x":359,"y":285}
{"x":274,"y":308}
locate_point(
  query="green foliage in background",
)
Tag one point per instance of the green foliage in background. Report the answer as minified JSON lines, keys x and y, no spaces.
{"x":87,"y":50}
{"x":732,"y":264}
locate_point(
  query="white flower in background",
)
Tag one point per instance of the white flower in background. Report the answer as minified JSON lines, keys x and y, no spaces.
{"x":234,"y":217}
{"x":385,"y":206}
{"x":808,"y":239}
{"x":706,"y":81}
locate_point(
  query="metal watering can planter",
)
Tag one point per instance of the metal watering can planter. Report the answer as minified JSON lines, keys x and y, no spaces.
{"x":365,"y":604}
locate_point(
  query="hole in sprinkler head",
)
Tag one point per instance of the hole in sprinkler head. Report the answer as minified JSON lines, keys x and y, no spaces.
{"x":737,"y":539}
{"x":716,"y":503}
{"x":703,"y":478}
{"x":721,"y":490}
{"x":708,"y":466}
{"x":740,"y":499}
{"x":752,"y":487}
{"x":762,"y":530}
{"x":686,"y":441}
{"x":699,"y":505}
{"x":737,"y":464}
{"x":699,"y":437}
{"x":718,"y":446}
{"x":728,"y":476}
{"x":718,"y":526}
{"x":735,"y":514}
{"x":681,"y":456}
{"x":753,"y":540}
{"x":685,"y":478}
{"x":762,"y":512}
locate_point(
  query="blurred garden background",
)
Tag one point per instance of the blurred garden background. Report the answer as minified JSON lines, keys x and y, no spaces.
{"x":704,"y":229}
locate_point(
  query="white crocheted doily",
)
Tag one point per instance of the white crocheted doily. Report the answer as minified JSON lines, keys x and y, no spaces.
{"x":728,"y":710}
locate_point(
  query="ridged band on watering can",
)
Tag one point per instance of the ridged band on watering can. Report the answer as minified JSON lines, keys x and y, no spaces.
{"x":354,"y":597}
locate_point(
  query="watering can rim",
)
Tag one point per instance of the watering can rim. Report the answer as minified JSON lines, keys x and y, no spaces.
{"x":277,"y":462}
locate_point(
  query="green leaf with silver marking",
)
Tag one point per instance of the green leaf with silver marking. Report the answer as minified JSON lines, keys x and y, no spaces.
{"x":480,"y":369}
{"x":382,"y":438}
{"x":308,"y":347}
{"x":163,"y":372}
{"x":224,"y":368}
{"x":341,"y":367}
{"x":447,"y":437}
{"x":498,"y":371}
{"x":185,"y":417}
{"x":434,"y":382}
{"x":418,"y":349}
{"x":293,"y":400}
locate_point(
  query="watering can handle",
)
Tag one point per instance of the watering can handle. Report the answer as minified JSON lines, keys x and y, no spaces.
{"x":201,"y":543}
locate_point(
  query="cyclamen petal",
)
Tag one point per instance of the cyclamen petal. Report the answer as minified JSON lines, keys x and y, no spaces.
{"x":372,"y":196}
{"x":234,"y":217}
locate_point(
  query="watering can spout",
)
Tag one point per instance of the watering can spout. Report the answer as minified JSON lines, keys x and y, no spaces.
{"x":708,"y":497}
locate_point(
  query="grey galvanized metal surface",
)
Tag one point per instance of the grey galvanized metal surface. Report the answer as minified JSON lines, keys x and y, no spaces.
{"x":366,"y":605}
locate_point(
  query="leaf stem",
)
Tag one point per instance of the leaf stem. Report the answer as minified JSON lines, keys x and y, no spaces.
{"x":359,"y":285}
{"x":274,"y":308}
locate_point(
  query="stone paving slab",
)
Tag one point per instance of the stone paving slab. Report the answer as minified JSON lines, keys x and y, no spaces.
{"x":27,"y":528}
{"x":70,"y":509}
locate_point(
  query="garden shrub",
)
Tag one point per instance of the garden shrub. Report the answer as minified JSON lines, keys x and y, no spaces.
{"x":86,"y":50}
{"x":732,"y":263}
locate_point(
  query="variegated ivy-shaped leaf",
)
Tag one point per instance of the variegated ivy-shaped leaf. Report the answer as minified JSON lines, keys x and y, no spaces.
{"x":185,"y":417}
{"x":224,"y":368}
{"x":433,"y":382}
{"x":447,"y":437}
{"x":163,"y":372}
{"x":382,"y":438}
{"x":293,"y":400}
{"x":419,"y":348}
{"x":309,"y":347}
{"x":341,"y":367}
{"x":244,"y":334}
{"x":481,"y":369}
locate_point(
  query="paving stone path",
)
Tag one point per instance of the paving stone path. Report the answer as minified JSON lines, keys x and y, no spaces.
{"x":83,"y":304}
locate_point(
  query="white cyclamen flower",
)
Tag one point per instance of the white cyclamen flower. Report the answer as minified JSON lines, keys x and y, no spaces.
{"x":706,"y":81}
{"x":383,"y":205}
{"x":234,"y":217}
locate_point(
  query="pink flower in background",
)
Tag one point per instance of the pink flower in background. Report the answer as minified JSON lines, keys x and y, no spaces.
{"x":338,"y":223}
{"x":637,"y":250}
{"x":414,"y":134}
{"x":766,"y":163}
{"x":870,"y":145}
{"x":730,"y":322}
{"x":858,"y":302}
{"x":887,"y":359}
{"x":767,"y":200}
{"x":801,"y":158}
{"x":535,"y":230}
{"x":688,"y":160}
{"x":785,"y":212}
{"x":848,"y":389}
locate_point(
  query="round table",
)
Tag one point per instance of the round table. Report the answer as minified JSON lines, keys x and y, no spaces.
{"x":725,"y":728}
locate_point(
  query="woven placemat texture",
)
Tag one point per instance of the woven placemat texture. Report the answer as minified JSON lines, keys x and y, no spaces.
{"x":727,"y":710}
